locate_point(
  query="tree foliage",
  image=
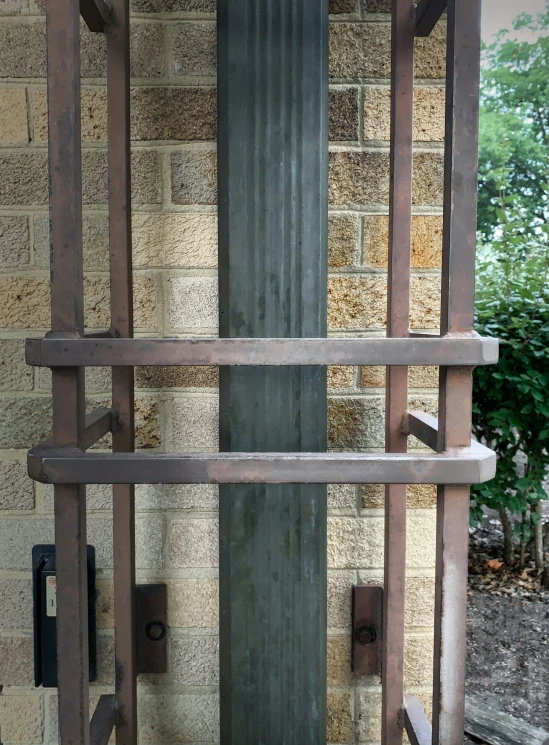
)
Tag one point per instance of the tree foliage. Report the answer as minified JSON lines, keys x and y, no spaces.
{"x":514,"y":124}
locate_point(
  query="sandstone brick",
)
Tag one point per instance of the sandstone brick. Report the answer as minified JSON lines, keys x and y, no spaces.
{"x":369,"y":719}
{"x":23,"y":176}
{"x":418,"y":660}
{"x":360,"y":50}
{"x":372,"y":376}
{"x":104,"y":603}
{"x":13,"y":116}
{"x":428,"y":114}
{"x":181,"y":497}
{"x":17,"y":661}
{"x":355,"y":542}
{"x":145,"y":166}
{"x":14,"y":242}
{"x":147,"y":423}
{"x":13,"y":7}
{"x":423,"y":377}
{"x":342,"y":240}
{"x":98,"y":497}
{"x":193,"y":543}
{"x":98,"y":379}
{"x":341,"y":497}
{"x":339,"y":717}
{"x":376,"y":6}
{"x":193,"y":603}
{"x":420,"y":539}
{"x":356,"y":422}
{"x":168,"y":6}
{"x":97,"y":298}
{"x":373,"y":496}
{"x":176,"y":377}
{"x":194,"y":423}
{"x":194,"y":49}
{"x":420,"y":601}
{"x":357,"y":302}
{"x":105,"y":660}
{"x":430,"y":54}
{"x":173,"y":114}
{"x":345,"y":7}
{"x":193,"y":303}
{"x":425,"y":302}
{"x":343,"y":115}
{"x":339,"y":661}
{"x":339,"y":599}
{"x":26,"y":302}
{"x":22,"y":50}
{"x":341,"y":377}
{"x":191,"y":717}
{"x":359,"y":178}
{"x":147,"y":50}
{"x":194,"y":177}
{"x":93,"y":115}
{"x":16,"y":490}
{"x":428,"y":179}
{"x":422,"y":496}
{"x":16,"y":606}
{"x":24,"y":421}
{"x":21,"y":719}
{"x":195,"y":660}
{"x":15,"y":374}
{"x":426,"y":241}
{"x":174,"y":240}
{"x":95,"y":239}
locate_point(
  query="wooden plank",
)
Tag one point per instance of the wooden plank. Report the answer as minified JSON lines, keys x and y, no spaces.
{"x":485,"y":721}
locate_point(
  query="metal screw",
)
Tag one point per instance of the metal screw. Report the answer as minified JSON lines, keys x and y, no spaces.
{"x":365,"y":635}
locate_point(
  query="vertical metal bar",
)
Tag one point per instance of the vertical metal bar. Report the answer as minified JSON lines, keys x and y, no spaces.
{"x":273,"y":215}
{"x":398,"y":311}
{"x":118,"y":97}
{"x":458,"y":288}
{"x":67,"y":317}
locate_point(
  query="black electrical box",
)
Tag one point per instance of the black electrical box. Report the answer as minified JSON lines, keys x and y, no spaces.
{"x":45,"y":615}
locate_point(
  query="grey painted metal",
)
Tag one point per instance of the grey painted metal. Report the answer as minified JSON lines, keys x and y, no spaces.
{"x":426,"y":15}
{"x":461,"y":351}
{"x":273,"y":205}
{"x":416,"y":723}
{"x":467,"y":465}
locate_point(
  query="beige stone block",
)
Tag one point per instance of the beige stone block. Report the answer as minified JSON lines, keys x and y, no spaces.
{"x":428,"y":125}
{"x":25,"y":302}
{"x":373,"y":496}
{"x":359,"y":178}
{"x":145,"y":165}
{"x":420,"y":601}
{"x":17,"y":661}
{"x":95,"y":239}
{"x":376,"y":6}
{"x":13,"y":116}
{"x":170,"y":6}
{"x":430,"y":54}
{"x":194,"y":49}
{"x":194,"y":177}
{"x":372,"y":376}
{"x":355,"y":542}
{"x":14,"y":242}
{"x":15,"y":374}
{"x":343,"y":115}
{"x":422,"y":496}
{"x":341,"y":497}
{"x":339,"y":661}
{"x":193,"y":603}
{"x":195,"y":660}
{"x":342,"y":240}
{"x":193,"y":543}
{"x":14,"y":7}
{"x":356,"y":422}
{"x":187,"y":114}
{"x":16,"y":605}
{"x":360,"y":50}
{"x":93,"y":115}
{"x":193,"y":303}
{"x":420,"y":539}
{"x":194,"y":423}
{"x":24,"y":421}
{"x":369,"y":719}
{"x":104,"y":603}
{"x":21,"y":719}
{"x":23,"y":49}
{"x":343,"y":7}
{"x":426,"y":247}
{"x":340,"y":586}
{"x":97,"y":299}
{"x":174,"y":240}
{"x":428,"y":179}
{"x":147,"y":423}
{"x":339,"y":717}
{"x":341,"y":376}
{"x":357,"y":302}
{"x":425,"y":302}
{"x":148,"y":50}
{"x":16,"y":489}
{"x":418,"y":660}
{"x":189,"y":717}
{"x":181,"y":497}
{"x":176,"y":377}
{"x":23,"y":175}
{"x":105,"y":659}
{"x":424,"y":376}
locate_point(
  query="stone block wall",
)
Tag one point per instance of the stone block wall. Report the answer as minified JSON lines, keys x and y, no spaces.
{"x":174,"y":232}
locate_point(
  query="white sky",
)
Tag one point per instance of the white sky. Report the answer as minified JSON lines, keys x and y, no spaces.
{"x":499,"y":14}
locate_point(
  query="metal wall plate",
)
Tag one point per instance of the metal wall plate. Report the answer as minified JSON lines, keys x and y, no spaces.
{"x":150,"y":633}
{"x":367,"y":629}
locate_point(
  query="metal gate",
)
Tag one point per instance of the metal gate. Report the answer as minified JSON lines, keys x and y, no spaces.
{"x":455,"y":463}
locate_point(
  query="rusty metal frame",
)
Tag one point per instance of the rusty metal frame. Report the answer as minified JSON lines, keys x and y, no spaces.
{"x":67,"y":350}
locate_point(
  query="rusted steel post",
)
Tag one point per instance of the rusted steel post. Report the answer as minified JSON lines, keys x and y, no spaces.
{"x":398,"y":311}
{"x":273,"y":215}
{"x":458,"y":290}
{"x":67,"y":318}
{"x":118,"y":100}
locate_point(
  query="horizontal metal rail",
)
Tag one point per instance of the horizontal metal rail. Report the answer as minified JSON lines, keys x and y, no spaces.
{"x":64,"y":465}
{"x":427,"y":14}
{"x":103,"y":720}
{"x":416,"y":723}
{"x":77,"y":352}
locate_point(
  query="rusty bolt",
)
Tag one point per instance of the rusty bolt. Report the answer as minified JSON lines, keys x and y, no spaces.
{"x":365,"y":635}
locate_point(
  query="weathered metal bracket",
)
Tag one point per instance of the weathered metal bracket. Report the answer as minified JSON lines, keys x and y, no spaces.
{"x":416,"y":723}
{"x":426,"y":15}
{"x":150,"y":632}
{"x":367,"y":639}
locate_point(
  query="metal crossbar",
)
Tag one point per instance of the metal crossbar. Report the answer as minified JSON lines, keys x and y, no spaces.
{"x":67,"y":350}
